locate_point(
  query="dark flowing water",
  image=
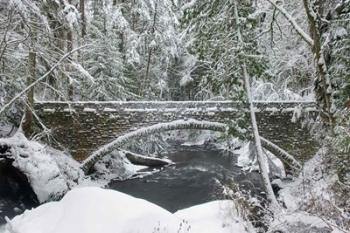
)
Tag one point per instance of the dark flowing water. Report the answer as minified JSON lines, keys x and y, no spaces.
{"x":16,"y":195}
{"x":197,"y":177}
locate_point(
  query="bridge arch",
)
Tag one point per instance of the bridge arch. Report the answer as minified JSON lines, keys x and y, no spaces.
{"x":179,"y":125}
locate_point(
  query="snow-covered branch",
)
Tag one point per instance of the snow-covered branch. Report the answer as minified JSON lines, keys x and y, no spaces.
{"x":188,"y":5}
{"x":293,"y":22}
{"x":175,"y":125}
{"x":39,"y":79}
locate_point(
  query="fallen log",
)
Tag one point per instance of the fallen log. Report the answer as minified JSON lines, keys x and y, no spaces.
{"x":138,"y":159}
{"x":281,"y":154}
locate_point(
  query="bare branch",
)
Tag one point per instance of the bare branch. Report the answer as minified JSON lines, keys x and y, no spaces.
{"x":292,"y":21}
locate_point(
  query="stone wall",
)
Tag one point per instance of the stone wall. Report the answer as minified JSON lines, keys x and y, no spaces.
{"x":82,"y":127}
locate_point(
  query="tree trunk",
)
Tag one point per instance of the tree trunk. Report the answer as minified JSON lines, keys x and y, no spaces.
{"x":121,"y":33}
{"x":68,"y":69}
{"x":83,"y":18}
{"x":145,"y":83}
{"x":70,"y":44}
{"x":28,"y":115}
{"x":262,"y":160}
{"x":323,"y":88}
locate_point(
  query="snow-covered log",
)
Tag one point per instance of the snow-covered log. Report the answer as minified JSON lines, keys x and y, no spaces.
{"x":138,"y":159}
{"x":281,"y":154}
{"x":161,"y":127}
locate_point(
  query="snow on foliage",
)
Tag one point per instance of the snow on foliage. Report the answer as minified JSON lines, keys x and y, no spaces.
{"x":71,"y":16}
{"x":186,"y":80}
{"x":51,"y":173}
{"x":268,"y":91}
{"x":96,"y":210}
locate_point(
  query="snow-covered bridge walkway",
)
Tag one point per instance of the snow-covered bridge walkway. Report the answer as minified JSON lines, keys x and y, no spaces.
{"x":83,"y":127}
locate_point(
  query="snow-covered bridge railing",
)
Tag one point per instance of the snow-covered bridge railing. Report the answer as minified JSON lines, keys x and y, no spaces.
{"x":83,"y":127}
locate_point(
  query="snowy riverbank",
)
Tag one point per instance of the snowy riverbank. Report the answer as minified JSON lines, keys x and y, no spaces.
{"x":96,"y":210}
{"x":52,"y":173}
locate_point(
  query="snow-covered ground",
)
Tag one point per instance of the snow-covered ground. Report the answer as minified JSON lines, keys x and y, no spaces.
{"x":96,"y":210}
{"x":311,"y":202}
{"x":216,"y":216}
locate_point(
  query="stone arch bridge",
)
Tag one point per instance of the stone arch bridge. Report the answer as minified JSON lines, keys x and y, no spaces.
{"x":83,"y":127}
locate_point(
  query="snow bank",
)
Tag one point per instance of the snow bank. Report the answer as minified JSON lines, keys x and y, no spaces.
{"x":301,"y":222}
{"x":311,"y":201}
{"x":95,"y":210}
{"x":51,"y":173}
{"x":215,"y":217}
{"x":312,"y":184}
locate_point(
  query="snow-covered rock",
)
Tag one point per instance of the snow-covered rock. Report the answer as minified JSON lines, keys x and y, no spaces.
{"x":51,"y":173}
{"x":96,"y":210}
{"x":114,"y":166}
{"x":300,"y":222}
{"x":247,"y":159}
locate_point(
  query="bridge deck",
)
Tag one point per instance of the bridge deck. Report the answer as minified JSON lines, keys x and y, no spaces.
{"x":109,"y":106}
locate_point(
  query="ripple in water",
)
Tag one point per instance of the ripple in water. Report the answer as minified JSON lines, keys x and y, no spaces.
{"x":197,"y":177}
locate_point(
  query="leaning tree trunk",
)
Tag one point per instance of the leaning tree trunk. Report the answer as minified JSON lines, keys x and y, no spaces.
{"x":262,"y":160}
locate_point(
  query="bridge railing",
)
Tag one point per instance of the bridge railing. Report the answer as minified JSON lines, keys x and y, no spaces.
{"x":115,"y":106}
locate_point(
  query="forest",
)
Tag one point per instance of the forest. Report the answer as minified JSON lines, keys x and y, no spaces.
{"x":163,"y":116}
